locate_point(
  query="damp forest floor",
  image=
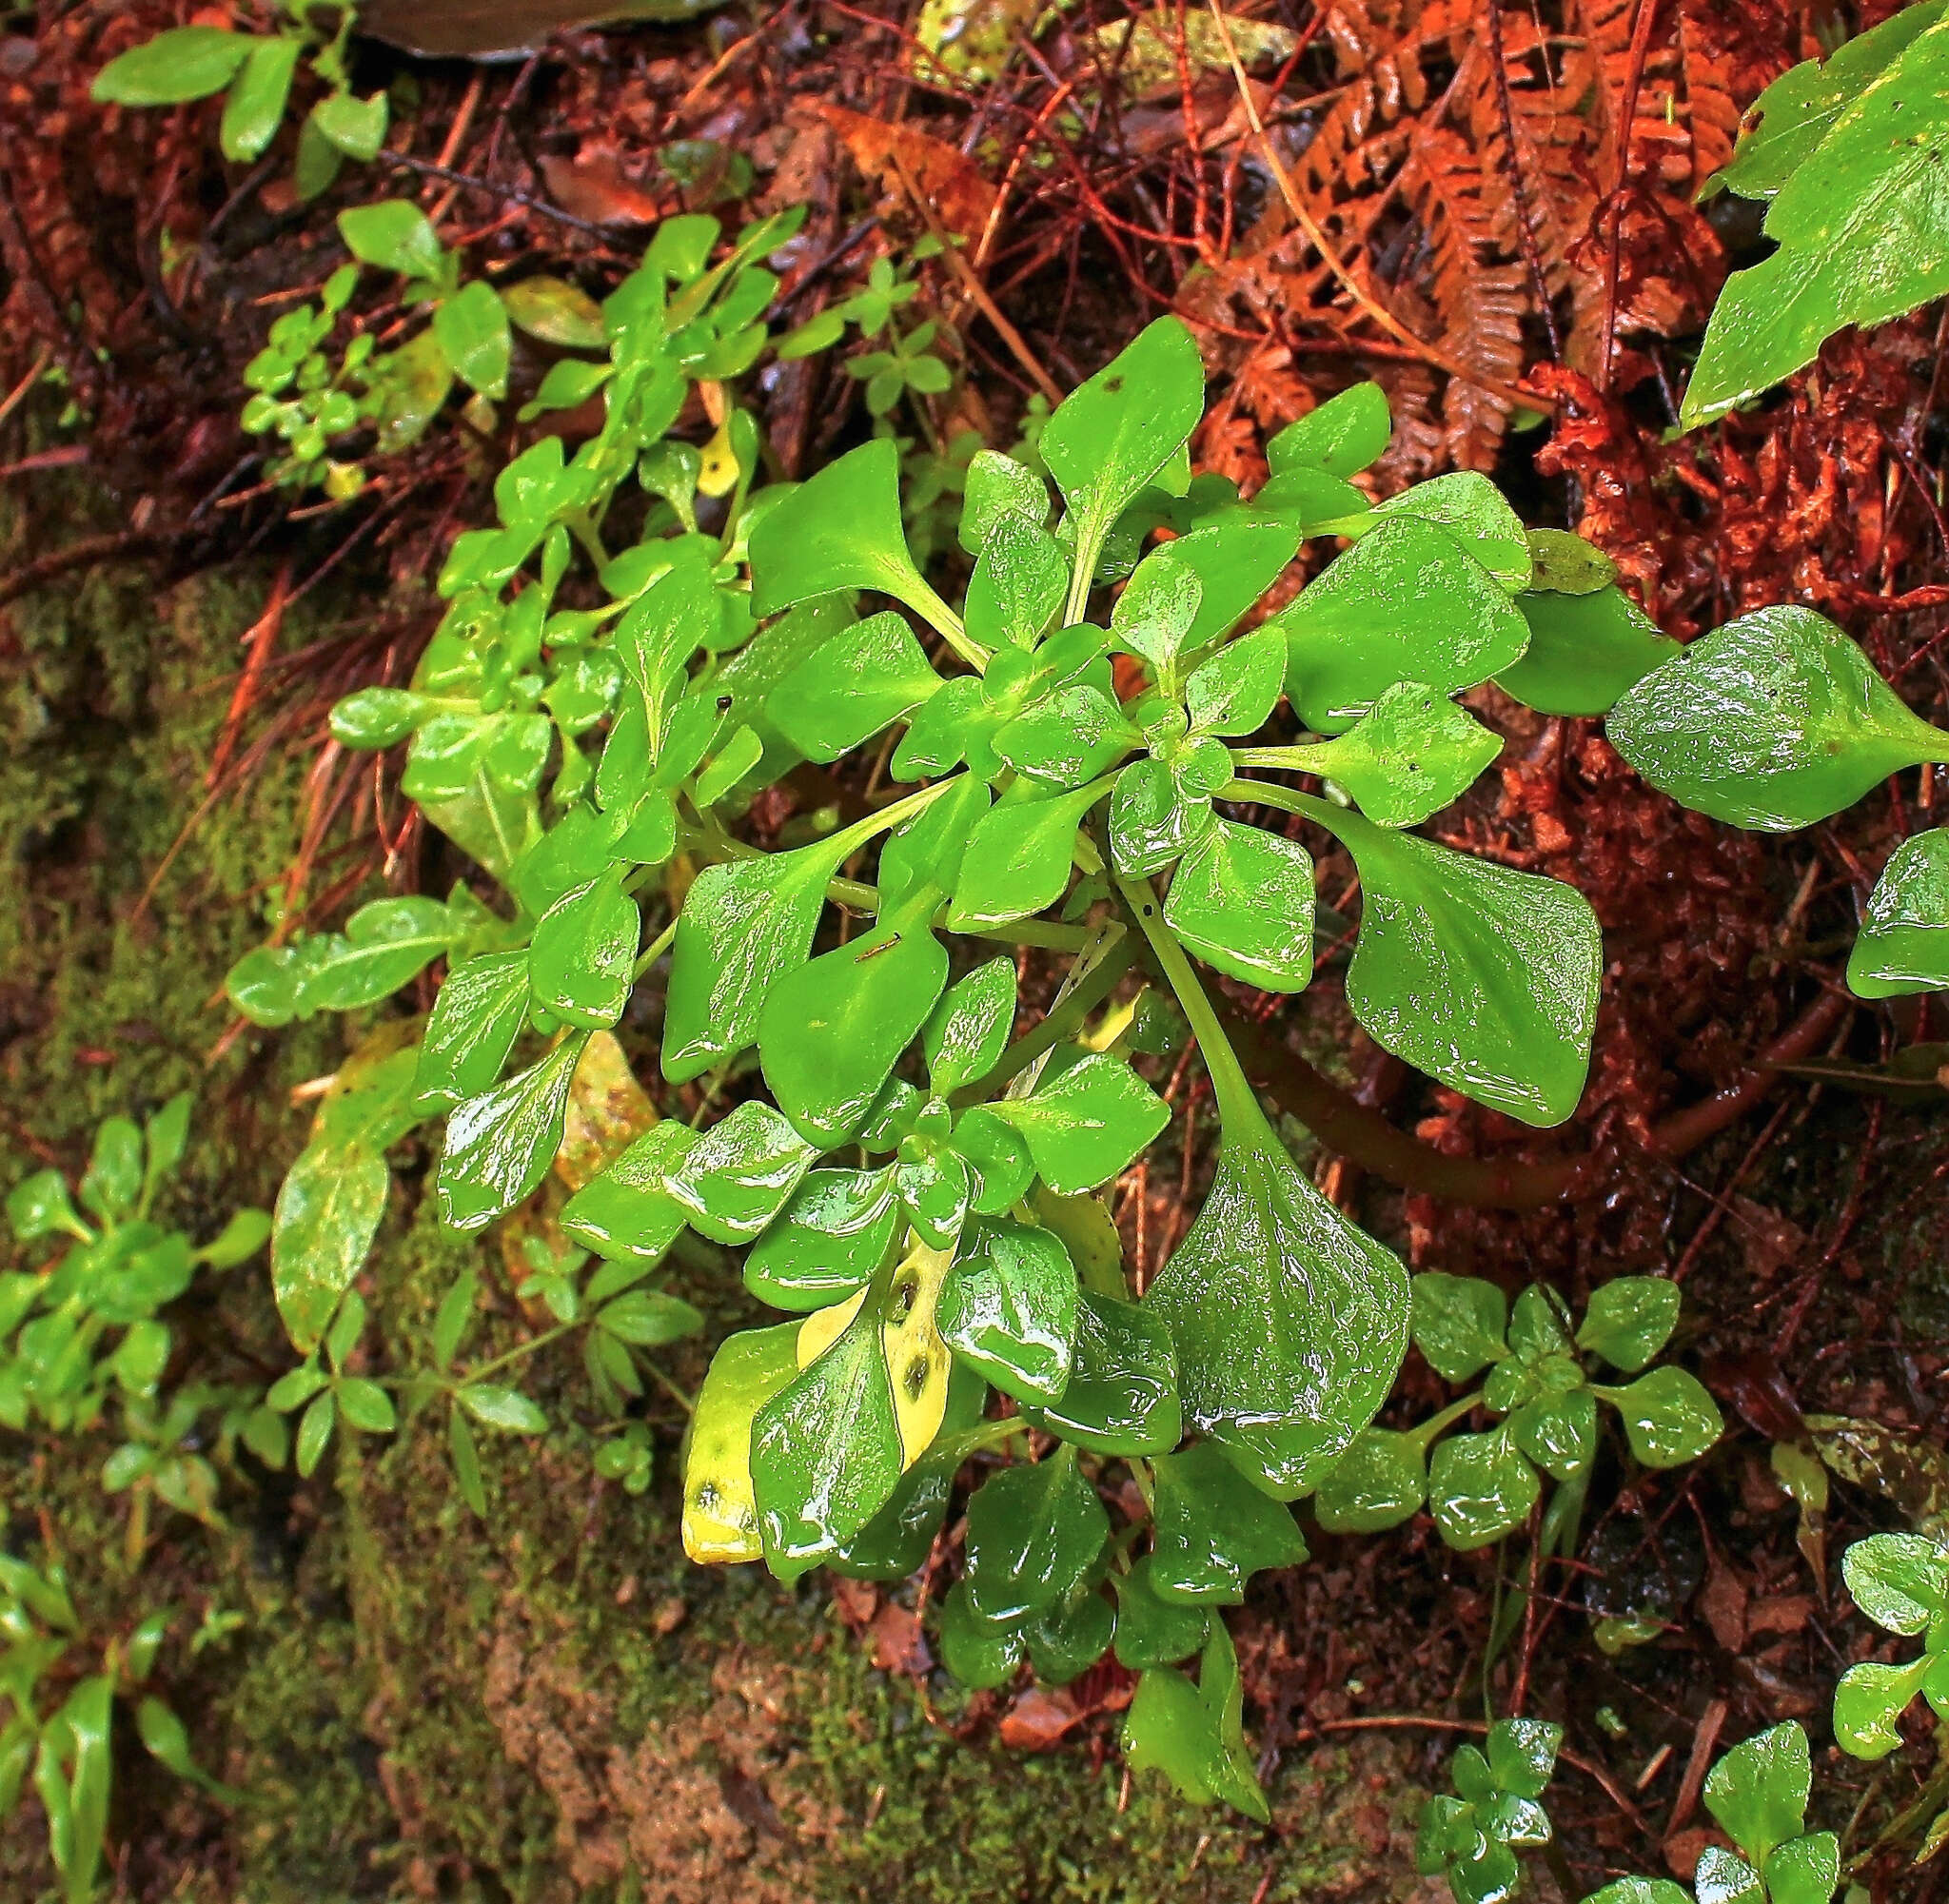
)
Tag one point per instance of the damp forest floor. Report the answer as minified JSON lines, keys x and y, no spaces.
{"x":549,"y":1703}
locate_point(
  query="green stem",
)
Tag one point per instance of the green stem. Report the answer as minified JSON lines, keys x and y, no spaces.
{"x":922,"y":600}
{"x":655,"y":950}
{"x":1234,"y":1093}
{"x":1432,"y":1427}
{"x":514,"y":1354}
{"x":1269,"y":793}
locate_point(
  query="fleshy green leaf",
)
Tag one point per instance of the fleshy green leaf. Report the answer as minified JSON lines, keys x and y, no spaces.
{"x":1074,"y":735}
{"x":625,"y":1212}
{"x":1787,"y":123}
{"x":473,"y":330}
{"x":1759,"y":1791}
{"x":1289,"y":1323}
{"x":1085,"y":1126}
{"x":328,"y":1211}
{"x":499,"y":1145}
{"x":720,"y":1508}
{"x":39,"y":1205}
{"x":1805,"y":1870}
{"x":182,"y":64}
{"x":1152,"y":1631}
{"x":826,"y":1450}
{"x":832,"y":1031}
{"x":1017,"y":862}
{"x":1904,"y":945}
{"x":1214,"y":1529}
{"x":1459,"y":1324}
{"x":1032,"y":1531}
{"x":1586,"y":651}
{"x":1629,"y":1319}
{"x":1121,"y":1396}
{"x":1471,"y":508}
{"x":1900,"y":1581}
{"x":1412,"y":754}
{"x":737,"y":1177}
{"x":1242,"y":899}
{"x":1407,"y":603}
{"x":862,"y":681}
{"x":582,"y":960}
{"x":1772,"y":722}
{"x":256,"y":101}
{"x":1558,"y":1431}
{"x":832,"y":1232}
{"x":996,"y":486}
{"x":841,"y":530}
{"x":1868,"y":1701}
{"x":1194,"y":1734}
{"x":1019,"y":585}
{"x":1480,"y":1487}
{"x":1154,"y":817}
{"x":1114,"y":433}
{"x":745,"y":924}
{"x":1009,"y":1307}
{"x":481,"y":1008}
{"x":1480,"y":977}
{"x":1856,"y":224}
{"x":1376,"y":1484}
{"x":1341,"y":436}
{"x":394,"y":235}
{"x":1668,"y":1417}
{"x":507,"y":1409}
{"x":1237,"y":689}
{"x":968,"y":1028}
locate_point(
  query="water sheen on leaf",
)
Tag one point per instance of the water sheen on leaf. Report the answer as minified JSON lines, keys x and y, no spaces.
{"x":1194,"y":1734}
{"x":1774,"y":722}
{"x":1412,"y":754}
{"x":1341,"y":436}
{"x":1480,"y":977}
{"x":1214,"y":1529}
{"x":1032,"y":1532}
{"x":720,"y":1506}
{"x":1290,"y":1322}
{"x":864,"y":680}
{"x":1859,"y":228}
{"x":1114,"y":433}
{"x":1009,"y":1310}
{"x":1904,"y":945}
{"x":825,"y":1450}
{"x":1242,"y":899}
{"x":1407,"y":603}
{"x":499,"y":1144}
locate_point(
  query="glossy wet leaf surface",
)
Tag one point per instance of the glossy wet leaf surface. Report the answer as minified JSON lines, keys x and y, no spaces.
{"x":1774,"y":722}
{"x":738,"y":1176}
{"x":826,"y":1241}
{"x":1085,"y":1126}
{"x":1380,"y":1481}
{"x":626,"y":1213}
{"x":1009,"y":1310}
{"x":499,"y":1144}
{"x":1194,"y":1734}
{"x":1341,"y":436}
{"x":1242,"y":899}
{"x":1481,"y":976}
{"x":832,"y":1031}
{"x":1858,"y":226}
{"x":1289,"y":1321}
{"x":1413,"y":753}
{"x":1214,"y":1529}
{"x":1407,"y":603}
{"x":825,"y":1450}
{"x":1903,"y":943}
{"x":1033,"y":1529}
{"x":1114,"y":433}
{"x":1122,"y":1396}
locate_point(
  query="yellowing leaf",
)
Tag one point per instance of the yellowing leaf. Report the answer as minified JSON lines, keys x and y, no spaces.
{"x":918,"y":1358}
{"x":719,"y":1510}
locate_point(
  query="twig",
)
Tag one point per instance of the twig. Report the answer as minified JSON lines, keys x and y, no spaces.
{"x":1381,"y":1721}
{"x":527,"y":201}
{"x":1017,"y":345}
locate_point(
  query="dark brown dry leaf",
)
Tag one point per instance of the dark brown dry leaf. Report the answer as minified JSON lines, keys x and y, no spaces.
{"x":961,"y":198}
